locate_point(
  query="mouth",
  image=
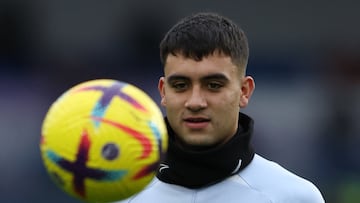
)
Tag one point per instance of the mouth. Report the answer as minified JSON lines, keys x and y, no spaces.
{"x":196,"y":122}
{"x":196,"y":119}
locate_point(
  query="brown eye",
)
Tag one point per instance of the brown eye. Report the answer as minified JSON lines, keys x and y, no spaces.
{"x":214,"y":85}
{"x":179,"y":86}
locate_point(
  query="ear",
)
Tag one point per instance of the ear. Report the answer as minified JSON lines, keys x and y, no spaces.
{"x":247,"y":88}
{"x":161,"y":88}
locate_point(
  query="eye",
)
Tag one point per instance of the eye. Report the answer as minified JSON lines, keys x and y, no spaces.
{"x":214,"y":85}
{"x":179,"y":86}
{"x":110,"y":151}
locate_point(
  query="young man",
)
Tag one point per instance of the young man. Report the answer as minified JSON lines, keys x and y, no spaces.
{"x":210,"y":159}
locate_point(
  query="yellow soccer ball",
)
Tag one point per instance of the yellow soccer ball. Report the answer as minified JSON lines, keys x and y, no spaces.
{"x":103,"y":140}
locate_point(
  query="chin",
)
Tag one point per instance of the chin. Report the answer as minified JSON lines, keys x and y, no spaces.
{"x":198,"y":145}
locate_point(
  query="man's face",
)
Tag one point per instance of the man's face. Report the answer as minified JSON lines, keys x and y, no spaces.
{"x":203,"y":98}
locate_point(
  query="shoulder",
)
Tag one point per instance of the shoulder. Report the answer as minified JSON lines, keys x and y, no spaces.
{"x":158,"y":191}
{"x":278,"y":183}
{"x":149,"y":186}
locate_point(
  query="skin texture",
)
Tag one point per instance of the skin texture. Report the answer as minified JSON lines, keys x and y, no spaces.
{"x":203,"y":98}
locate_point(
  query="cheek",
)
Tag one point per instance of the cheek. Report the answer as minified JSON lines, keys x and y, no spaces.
{"x":172,"y":102}
{"x":229,"y":102}
{"x":228,"y":112}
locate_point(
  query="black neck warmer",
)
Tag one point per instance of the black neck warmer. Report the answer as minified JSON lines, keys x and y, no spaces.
{"x":194,"y":169}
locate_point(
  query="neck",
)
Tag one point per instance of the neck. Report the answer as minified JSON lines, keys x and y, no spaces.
{"x":202,"y":148}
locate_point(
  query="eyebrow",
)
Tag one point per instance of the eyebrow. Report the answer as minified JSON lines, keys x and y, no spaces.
{"x":176,"y":77}
{"x":215,"y":76}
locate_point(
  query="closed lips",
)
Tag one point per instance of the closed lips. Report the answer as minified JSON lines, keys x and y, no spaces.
{"x":197,"y":120}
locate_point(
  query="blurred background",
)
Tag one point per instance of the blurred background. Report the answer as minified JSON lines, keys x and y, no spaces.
{"x":304,"y":57}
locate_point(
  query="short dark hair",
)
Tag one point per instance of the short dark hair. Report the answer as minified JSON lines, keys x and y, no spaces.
{"x":202,"y":34}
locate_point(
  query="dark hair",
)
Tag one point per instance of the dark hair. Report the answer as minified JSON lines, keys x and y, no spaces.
{"x":202,"y":34}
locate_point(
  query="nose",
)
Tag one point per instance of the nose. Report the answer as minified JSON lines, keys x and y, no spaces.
{"x":196,"y":100}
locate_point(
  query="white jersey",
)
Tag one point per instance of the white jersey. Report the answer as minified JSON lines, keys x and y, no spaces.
{"x":262,"y":181}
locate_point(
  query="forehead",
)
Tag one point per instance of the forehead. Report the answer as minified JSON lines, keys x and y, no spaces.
{"x":212,"y":64}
